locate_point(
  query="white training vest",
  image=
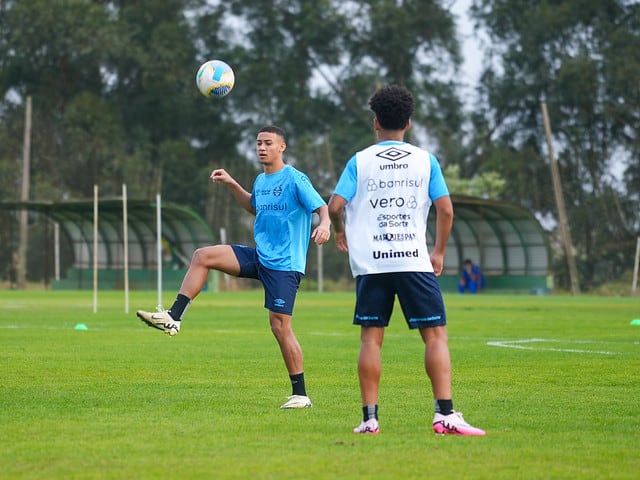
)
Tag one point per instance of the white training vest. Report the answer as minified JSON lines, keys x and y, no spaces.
{"x":386,"y":220}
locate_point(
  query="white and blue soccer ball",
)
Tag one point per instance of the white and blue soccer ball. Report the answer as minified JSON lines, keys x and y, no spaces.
{"x":215,"y":79}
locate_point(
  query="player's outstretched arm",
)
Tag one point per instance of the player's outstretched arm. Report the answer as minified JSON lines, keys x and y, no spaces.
{"x":243,"y":197}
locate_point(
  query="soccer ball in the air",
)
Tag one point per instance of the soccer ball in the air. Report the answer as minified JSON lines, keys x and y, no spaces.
{"x":215,"y":78}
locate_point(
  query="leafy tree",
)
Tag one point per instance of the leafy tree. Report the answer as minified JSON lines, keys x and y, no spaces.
{"x":114,"y":100}
{"x":578,"y":56}
{"x":485,"y":185}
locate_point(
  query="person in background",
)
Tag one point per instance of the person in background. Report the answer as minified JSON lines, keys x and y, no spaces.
{"x":472,"y":278}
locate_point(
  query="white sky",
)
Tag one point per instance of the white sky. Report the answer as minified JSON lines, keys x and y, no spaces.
{"x":472,"y":54}
{"x":472,"y":66}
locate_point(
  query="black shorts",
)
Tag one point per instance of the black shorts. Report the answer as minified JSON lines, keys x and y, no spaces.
{"x":418,"y":293}
{"x":280,"y":287}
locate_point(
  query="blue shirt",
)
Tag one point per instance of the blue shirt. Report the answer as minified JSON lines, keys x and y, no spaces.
{"x":284,"y":202}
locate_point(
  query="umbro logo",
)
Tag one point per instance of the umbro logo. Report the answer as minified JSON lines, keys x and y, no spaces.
{"x":393,"y":153}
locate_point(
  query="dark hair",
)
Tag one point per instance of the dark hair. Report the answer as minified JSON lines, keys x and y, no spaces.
{"x":393,"y":106}
{"x":273,"y":129}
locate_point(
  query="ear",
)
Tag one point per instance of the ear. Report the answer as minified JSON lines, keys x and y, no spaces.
{"x":376,"y":124}
{"x":408,"y":125}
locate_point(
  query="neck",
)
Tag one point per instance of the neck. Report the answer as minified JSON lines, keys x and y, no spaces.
{"x":273,"y":167}
{"x":387,"y":135}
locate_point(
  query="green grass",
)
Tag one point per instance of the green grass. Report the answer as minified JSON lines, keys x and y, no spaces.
{"x":123,"y":401}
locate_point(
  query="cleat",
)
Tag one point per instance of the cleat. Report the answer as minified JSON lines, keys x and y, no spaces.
{"x":160,"y":320}
{"x":454,"y":424}
{"x":370,"y":427}
{"x":297,"y":401}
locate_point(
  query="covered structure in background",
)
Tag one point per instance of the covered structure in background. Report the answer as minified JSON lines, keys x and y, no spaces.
{"x":183,"y":231}
{"x":505,"y":240}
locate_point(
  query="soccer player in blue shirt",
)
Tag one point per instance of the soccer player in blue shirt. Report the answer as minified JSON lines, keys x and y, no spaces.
{"x":282,"y":200}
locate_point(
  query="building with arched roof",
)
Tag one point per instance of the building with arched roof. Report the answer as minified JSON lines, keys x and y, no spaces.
{"x":183,"y":230}
{"x":505,"y":240}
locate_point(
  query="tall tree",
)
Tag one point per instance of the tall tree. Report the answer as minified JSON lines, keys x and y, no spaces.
{"x":115,"y":101}
{"x":569,"y":53}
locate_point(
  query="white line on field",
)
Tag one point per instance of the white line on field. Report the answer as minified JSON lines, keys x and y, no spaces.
{"x":522,"y":345}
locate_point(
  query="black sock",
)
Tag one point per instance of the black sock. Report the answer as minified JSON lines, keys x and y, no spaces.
{"x":297,"y":384}
{"x":179,"y":306}
{"x":445,"y":407}
{"x":369,"y":412}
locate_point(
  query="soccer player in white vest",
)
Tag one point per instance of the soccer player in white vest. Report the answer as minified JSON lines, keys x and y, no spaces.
{"x":379,"y":212}
{"x":282,"y":200}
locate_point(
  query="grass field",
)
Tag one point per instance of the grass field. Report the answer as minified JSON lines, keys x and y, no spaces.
{"x":554,"y":380}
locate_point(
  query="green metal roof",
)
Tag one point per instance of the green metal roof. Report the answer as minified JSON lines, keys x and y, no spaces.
{"x":183,"y":231}
{"x":504,"y":239}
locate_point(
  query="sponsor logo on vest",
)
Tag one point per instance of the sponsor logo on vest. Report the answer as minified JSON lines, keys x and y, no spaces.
{"x":391,"y":202}
{"x":403,"y":183}
{"x":394,"y":166}
{"x":393,"y":154}
{"x":394,"y":237}
{"x":397,"y":220}
{"x":380,"y":255}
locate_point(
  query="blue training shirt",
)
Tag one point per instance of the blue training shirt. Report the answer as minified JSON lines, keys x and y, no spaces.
{"x":284,"y":202}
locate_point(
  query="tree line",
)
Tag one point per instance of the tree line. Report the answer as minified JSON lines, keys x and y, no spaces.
{"x":114,"y":101}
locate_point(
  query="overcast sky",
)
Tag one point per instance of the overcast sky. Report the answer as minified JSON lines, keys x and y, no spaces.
{"x":472,"y":55}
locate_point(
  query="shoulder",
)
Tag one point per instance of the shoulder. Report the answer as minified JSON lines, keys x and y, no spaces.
{"x":297,"y":175}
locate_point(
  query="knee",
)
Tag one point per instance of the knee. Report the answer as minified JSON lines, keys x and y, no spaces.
{"x":209,"y":257}
{"x":280,"y":327}
{"x":435,"y":336}
{"x":276,"y":327}
{"x":199,"y":257}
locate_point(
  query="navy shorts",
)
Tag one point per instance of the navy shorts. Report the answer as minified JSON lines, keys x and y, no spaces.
{"x":280,"y":287}
{"x":418,"y":293}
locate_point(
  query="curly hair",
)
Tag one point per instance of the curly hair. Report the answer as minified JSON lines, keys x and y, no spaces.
{"x":393,"y":106}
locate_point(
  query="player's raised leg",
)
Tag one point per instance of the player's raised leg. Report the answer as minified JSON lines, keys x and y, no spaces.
{"x":217,"y":257}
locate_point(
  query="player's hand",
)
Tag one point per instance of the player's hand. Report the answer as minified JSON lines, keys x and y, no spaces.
{"x":220,"y":175}
{"x":321,"y":235}
{"x":341,"y":241}
{"x":438,"y":263}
